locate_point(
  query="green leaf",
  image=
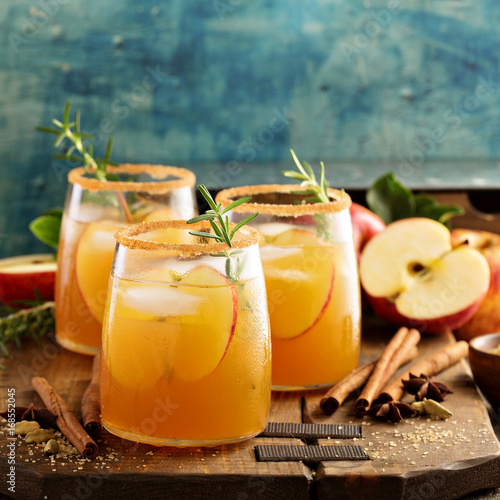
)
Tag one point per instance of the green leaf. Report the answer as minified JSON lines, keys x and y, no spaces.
{"x":242,"y":223}
{"x":236,"y":203}
{"x":294,"y":175}
{"x":47,"y":228}
{"x":200,"y":218}
{"x":390,"y":199}
{"x":206,"y":194}
{"x":298,"y":164}
{"x":204,"y":235}
{"x":56,"y":211}
{"x":48,"y":130}
{"x":427,"y":206}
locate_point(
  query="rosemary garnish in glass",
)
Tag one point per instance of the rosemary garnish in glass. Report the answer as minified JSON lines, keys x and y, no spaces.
{"x":82,"y":151}
{"x":316,"y":192}
{"x":219,"y":220}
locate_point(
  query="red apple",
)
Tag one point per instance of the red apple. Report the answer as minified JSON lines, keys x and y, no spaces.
{"x":487,"y":318}
{"x":19,"y":276}
{"x":365,"y":225}
{"x":414,"y":277}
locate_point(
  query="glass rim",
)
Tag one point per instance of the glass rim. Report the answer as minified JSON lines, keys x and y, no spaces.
{"x":186,"y":178}
{"x":127,"y":237}
{"x":340,"y":200}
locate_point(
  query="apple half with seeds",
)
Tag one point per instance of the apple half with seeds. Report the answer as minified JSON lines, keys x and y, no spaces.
{"x":414,"y":277}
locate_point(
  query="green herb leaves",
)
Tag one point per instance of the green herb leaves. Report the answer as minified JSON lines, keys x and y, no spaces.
{"x":79,"y":151}
{"x":47,"y":227}
{"x":391,"y":201}
{"x":214,"y":215}
{"x":318,"y":191}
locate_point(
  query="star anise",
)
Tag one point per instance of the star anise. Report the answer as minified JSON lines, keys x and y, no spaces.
{"x":41,"y":415}
{"x":395,"y":411}
{"x":426,"y":387}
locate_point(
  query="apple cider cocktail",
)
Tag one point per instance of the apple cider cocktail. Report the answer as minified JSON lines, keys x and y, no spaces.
{"x":94,"y":211}
{"x":311,"y":276}
{"x":186,"y":355}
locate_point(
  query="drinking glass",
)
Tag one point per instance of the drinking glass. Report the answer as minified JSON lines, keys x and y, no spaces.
{"x":186,"y":355}
{"x":311,"y":275}
{"x":93,"y":212}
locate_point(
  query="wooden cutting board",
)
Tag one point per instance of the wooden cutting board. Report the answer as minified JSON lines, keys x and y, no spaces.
{"x":411,"y":460}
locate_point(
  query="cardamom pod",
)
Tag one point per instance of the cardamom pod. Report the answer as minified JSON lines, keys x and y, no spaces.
{"x":52,"y":447}
{"x":39,"y":436}
{"x":419,"y":406}
{"x":437,"y":409}
{"x":24,"y":427}
{"x":431,"y":407}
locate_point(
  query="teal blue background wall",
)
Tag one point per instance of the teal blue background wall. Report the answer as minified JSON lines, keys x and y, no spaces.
{"x":226,"y":87}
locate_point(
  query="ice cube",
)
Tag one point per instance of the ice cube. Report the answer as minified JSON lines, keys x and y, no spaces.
{"x":268,"y":253}
{"x":158,"y":300}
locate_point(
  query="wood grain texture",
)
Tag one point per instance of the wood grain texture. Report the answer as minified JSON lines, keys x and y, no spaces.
{"x":417,"y":458}
{"x":225,"y":471}
{"x":398,"y":468}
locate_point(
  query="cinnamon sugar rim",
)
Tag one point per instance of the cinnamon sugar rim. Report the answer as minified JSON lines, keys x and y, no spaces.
{"x":184,"y":178}
{"x":340,"y":200}
{"x":127,"y":236}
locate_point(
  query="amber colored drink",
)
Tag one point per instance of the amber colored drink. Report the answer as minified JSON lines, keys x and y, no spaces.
{"x":93,"y":213}
{"x":312,"y":284}
{"x":186,"y":355}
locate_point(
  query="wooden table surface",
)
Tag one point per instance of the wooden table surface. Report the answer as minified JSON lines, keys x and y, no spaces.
{"x":415,"y":459}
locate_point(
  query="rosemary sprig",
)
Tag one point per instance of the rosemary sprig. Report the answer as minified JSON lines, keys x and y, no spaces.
{"x":79,"y":151}
{"x":36,"y":321}
{"x":82,"y":151}
{"x":219,"y":220}
{"x":318,"y":191}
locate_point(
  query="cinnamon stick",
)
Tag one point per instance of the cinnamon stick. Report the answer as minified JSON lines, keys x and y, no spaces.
{"x":91,"y":404}
{"x":66,"y":420}
{"x":433,"y":364}
{"x":334,"y":398}
{"x":385,"y":368}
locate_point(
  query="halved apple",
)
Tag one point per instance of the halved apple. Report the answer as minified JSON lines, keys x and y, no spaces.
{"x":487,"y":318}
{"x":20,"y":275}
{"x":412,"y":276}
{"x":94,"y":257}
{"x":299,"y":275}
{"x":186,"y":325}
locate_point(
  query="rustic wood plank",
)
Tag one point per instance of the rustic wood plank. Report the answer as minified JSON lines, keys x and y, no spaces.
{"x":418,"y":458}
{"x":124,"y":468}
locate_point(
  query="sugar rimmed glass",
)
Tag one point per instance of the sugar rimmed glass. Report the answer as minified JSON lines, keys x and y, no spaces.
{"x":186,"y":355}
{"x":93,"y":212}
{"x":311,"y":274}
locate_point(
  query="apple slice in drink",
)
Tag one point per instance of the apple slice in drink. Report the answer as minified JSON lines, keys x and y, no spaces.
{"x":413,"y":277}
{"x":208,"y":327}
{"x":187,"y":328}
{"x":299,"y":275}
{"x":20,"y":275}
{"x":94,"y":257}
{"x":163,"y":213}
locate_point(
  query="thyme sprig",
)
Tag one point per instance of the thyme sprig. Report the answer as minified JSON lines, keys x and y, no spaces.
{"x":317,"y":191}
{"x":219,"y":220}
{"x":82,"y":149}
